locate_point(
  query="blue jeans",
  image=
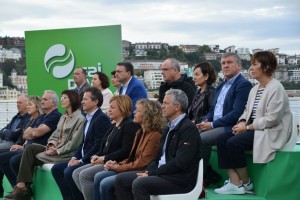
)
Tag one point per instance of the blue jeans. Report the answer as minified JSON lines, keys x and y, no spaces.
{"x":104,"y":185}
{"x":63,"y":177}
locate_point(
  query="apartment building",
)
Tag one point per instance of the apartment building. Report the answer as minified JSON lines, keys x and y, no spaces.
{"x":294,"y":73}
{"x":153,"y":79}
{"x":244,"y":53}
{"x":12,"y":53}
{"x":20,"y":81}
{"x":12,"y":41}
{"x":230,"y":49}
{"x":189,"y":48}
{"x":214,"y":48}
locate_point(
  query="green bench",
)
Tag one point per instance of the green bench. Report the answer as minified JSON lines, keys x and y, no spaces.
{"x":276,"y":180}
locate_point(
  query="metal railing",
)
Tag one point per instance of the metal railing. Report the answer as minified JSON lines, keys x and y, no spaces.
{"x":8,"y":109}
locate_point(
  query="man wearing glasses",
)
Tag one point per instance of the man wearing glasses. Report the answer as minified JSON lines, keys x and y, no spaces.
{"x":130,"y":85}
{"x":170,"y":69}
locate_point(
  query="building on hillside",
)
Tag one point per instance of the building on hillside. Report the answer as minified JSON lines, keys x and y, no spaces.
{"x":294,"y":60}
{"x":150,"y":45}
{"x":189,"y":48}
{"x":243,"y":53}
{"x":155,"y":65}
{"x":256,"y":50}
{"x":12,"y":53}
{"x":275,"y":51}
{"x":281,"y":74}
{"x":142,"y":47}
{"x":147,"y":65}
{"x":8,"y":94}
{"x":211,"y":56}
{"x":12,"y":41}
{"x":294,"y":73}
{"x":125,"y":48}
{"x":20,"y":81}
{"x":230,"y":49}
{"x":281,"y":59}
{"x":153,"y":79}
{"x":214,"y":48}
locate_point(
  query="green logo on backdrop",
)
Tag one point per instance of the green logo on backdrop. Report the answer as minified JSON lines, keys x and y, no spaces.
{"x":61,"y":61}
{"x":52,"y":55}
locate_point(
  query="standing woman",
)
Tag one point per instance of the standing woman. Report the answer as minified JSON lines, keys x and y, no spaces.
{"x":145,"y":146}
{"x":60,"y":147}
{"x":101,"y":81}
{"x":204,"y":77}
{"x":265,"y":126}
{"x":115,"y":145}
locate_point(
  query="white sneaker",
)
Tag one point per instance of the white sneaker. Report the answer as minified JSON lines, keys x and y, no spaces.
{"x":248,"y":186}
{"x":230,"y":188}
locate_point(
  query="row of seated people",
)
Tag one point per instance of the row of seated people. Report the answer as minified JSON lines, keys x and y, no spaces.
{"x":215,"y":113}
{"x":124,"y":145}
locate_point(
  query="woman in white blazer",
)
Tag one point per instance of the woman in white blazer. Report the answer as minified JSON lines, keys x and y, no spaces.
{"x":265,"y":126}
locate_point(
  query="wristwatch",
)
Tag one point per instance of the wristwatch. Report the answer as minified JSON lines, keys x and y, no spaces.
{"x":248,"y":128}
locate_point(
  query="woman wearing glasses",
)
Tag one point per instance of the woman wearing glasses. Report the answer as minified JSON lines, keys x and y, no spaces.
{"x":61,"y":145}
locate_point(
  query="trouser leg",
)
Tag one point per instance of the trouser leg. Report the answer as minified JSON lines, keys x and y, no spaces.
{"x":209,"y":139}
{"x":28,"y":163}
{"x":123,"y":185}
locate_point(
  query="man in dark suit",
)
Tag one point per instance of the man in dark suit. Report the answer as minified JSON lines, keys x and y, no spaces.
{"x":80,"y":80}
{"x":97,"y":123}
{"x":228,"y":105}
{"x":131,"y":86}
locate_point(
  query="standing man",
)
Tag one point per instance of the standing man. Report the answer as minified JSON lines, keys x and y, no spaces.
{"x":170,"y":69}
{"x":228,"y":105}
{"x":176,"y":166}
{"x":12,"y":131}
{"x":130,"y":85}
{"x":97,"y":123}
{"x":80,"y":81}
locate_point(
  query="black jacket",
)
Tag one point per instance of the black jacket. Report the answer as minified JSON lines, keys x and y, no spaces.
{"x":182,"y":155}
{"x":203,"y":105}
{"x":121,"y":141}
{"x":12,"y":135}
{"x":184,"y":83}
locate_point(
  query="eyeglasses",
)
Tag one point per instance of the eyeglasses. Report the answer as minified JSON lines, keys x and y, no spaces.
{"x":63,"y":98}
{"x":165,"y":69}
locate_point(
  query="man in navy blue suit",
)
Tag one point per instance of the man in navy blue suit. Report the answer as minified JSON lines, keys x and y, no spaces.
{"x":229,"y":103}
{"x":97,"y":123}
{"x":131,"y":86}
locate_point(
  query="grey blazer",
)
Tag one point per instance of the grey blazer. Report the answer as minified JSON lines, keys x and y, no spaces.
{"x":273,"y":121}
{"x":71,"y":138}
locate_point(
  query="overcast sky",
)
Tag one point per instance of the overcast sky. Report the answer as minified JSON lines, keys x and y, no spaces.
{"x":254,"y":23}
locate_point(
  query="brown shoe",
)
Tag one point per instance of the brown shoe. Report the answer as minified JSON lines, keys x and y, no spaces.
{"x":19,"y":193}
{"x":11,"y":194}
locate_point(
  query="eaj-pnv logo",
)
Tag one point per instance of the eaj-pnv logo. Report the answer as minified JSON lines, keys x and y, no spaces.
{"x":60,"y":59}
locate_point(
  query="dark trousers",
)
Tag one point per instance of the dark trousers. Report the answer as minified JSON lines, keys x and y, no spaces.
{"x":63,"y":177}
{"x":129,"y":187}
{"x":232,"y":148}
{"x":9,"y":165}
{"x":2,"y":174}
{"x":29,"y":162}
